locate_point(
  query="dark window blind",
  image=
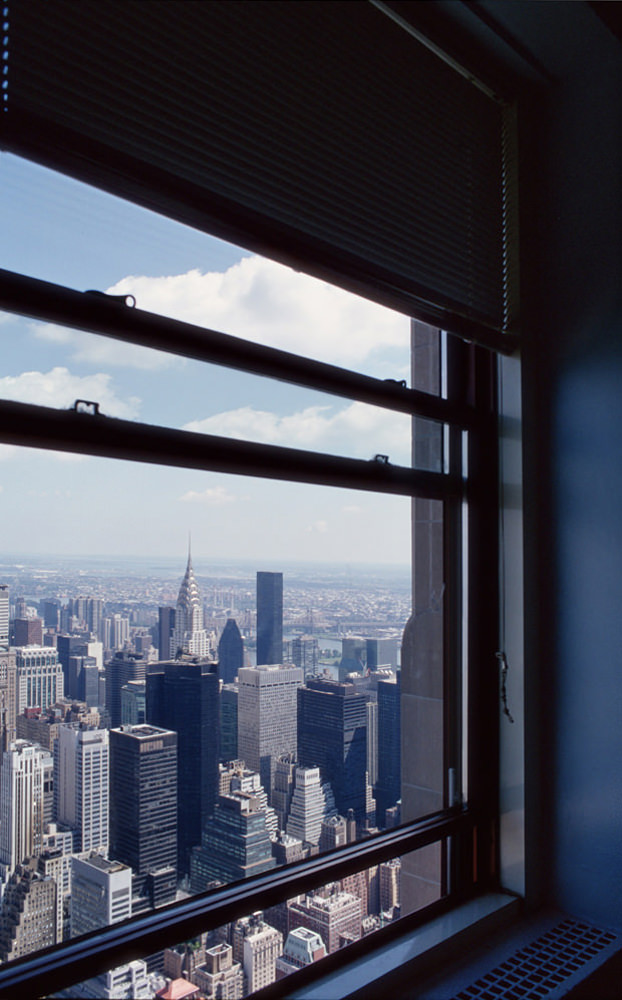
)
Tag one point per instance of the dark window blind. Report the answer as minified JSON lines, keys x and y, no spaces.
{"x":322,"y":133}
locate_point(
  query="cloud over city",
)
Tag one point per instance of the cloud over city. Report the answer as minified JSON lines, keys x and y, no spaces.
{"x":59,"y":388}
{"x":267,"y":302}
{"x":356,"y":430}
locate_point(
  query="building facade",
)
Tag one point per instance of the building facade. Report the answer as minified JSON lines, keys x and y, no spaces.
{"x":267,"y":717}
{"x":269,"y":618}
{"x":183,"y":696}
{"x":143,"y":809}
{"x":82,"y":785}
{"x":332,"y":735}
{"x":22,"y":783}
{"x":101,"y":893}
{"x":189,"y":635}
{"x":40,"y":680}
{"x":230,"y":652}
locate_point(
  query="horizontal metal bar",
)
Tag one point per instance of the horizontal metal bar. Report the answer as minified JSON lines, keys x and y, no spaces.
{"x":60,"y":966}
{"x":67,"y":430}
{"x":105,"y":315}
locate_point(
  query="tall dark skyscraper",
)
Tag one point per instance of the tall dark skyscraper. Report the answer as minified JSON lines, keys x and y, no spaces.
{"x":143,"y":810}
{"x":269,"y":618}
{"x":166,"y":624}
{"x":388,"y":789}
{"x":230,"y":652}
{"x":332,"y":735}
{"x":123,"y":667}
{"x":183,"y":695}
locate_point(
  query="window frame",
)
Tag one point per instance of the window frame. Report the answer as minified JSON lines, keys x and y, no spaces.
{"x":470,"y":866}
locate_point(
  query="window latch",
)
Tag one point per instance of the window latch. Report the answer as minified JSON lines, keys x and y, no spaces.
{"x":123,"y":300}
{"x":381,"y":459}
{"x":86,"y":406}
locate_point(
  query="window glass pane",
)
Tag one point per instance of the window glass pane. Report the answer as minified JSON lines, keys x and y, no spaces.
{"x":68,"y":233}
{"x":50,"y":365}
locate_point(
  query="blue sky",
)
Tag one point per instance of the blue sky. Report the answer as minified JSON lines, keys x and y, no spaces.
{"x":65,"y":232}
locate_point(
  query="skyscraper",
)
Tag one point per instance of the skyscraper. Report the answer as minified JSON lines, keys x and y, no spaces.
{"x":269,"y":618}
{"x":28,"y":912}
{"x":40,"y":680}
{"x":166,"y":624}
{"x":267,"y":717}
{"x":8,"y":697}
{"x":312,"y":803}
{"x":28,"y":632}
{"x":228,"y":722}
{"x":81,"y":785}
{"x":4,"y":615}
{"x":333,"y":914}
{"x":21,"y":802}
{"x":388,"y":789}
{"x":143,"y":809}
{"x":230,"y":652}
{"x":123,"y":667}
{"x":306,"y":654}
{"x":235,"y":843}
{"x":189,"y":635}
{"x":183,"y":696}
{"x":332,"y":735}
{"x":101,"y":893}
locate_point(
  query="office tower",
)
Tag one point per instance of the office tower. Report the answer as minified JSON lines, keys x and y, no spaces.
{"x":267,"y":716}
{"x":312,"y":803}
{"x":22,"y":802}
{"x":332,"y":735}
{"x":183,"y":696}
{"x":353,"y":656}
{"x":388,"y":788}
{"x":55,"y":860}
{"x":8,"y":697}
{"x":143,"y":809}
{"x":133,"y":703}
{"x":4,"y":615}
{"x":269,"y":618}
{"x":81,"y":785}
{"x":228,"y":722}
{"x":166,"y":624}
{"x":83,"y":679}
{"x":101,"y":893}
{"x":40,"y":680}
{"x":28,"y":632}
{"x":381,"y":653}
{"x":333,"y":833}
{"x":333,"y":914}
{"x":372,"y":739}
{"x":389,"y":883}
{"x":306,"y":654}
{"x":236,"y":777}
{"x":235,"y":843}
{"x":27,"y":912}
{"x":119,"y":633}
{"x":302,"y":947}
{"x":94,"y":615}
{"x":66,"y":646}
{"x":123,"y":667}
{"x":189,"y":635}
{"x":230,"y":652}
{"x":284,"y":777}
{"x":51,"y":613}
{"x":219,"y":975}
{"x":259,"y":946}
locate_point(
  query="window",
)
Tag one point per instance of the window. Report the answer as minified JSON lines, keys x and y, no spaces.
{"x":452,"y":479}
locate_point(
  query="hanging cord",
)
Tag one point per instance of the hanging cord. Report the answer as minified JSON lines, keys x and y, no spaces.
{"x":503,"y":660}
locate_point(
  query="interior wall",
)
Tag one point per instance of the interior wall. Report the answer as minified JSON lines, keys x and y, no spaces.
{"x":571,"y":195}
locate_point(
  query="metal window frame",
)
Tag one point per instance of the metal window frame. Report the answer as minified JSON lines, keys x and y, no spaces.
{"x":469,"y":829}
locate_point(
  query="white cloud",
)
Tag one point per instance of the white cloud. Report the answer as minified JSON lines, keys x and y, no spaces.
{"x":270,"y":303}
{"x":215,"y":496}
{"x":356,"y":430}
{"x":7,"y":451}
{"x":92,"y":349}
{"x":58,"y":388}
{"x":352,"y":509}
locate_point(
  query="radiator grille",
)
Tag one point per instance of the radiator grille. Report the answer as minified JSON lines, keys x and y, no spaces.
{"x":539,"y":969}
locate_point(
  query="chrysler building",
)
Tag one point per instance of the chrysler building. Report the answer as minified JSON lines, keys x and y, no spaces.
{"x":189,"y":636}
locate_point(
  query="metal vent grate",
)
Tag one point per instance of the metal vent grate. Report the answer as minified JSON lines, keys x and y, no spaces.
{"x":539,"y":969}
